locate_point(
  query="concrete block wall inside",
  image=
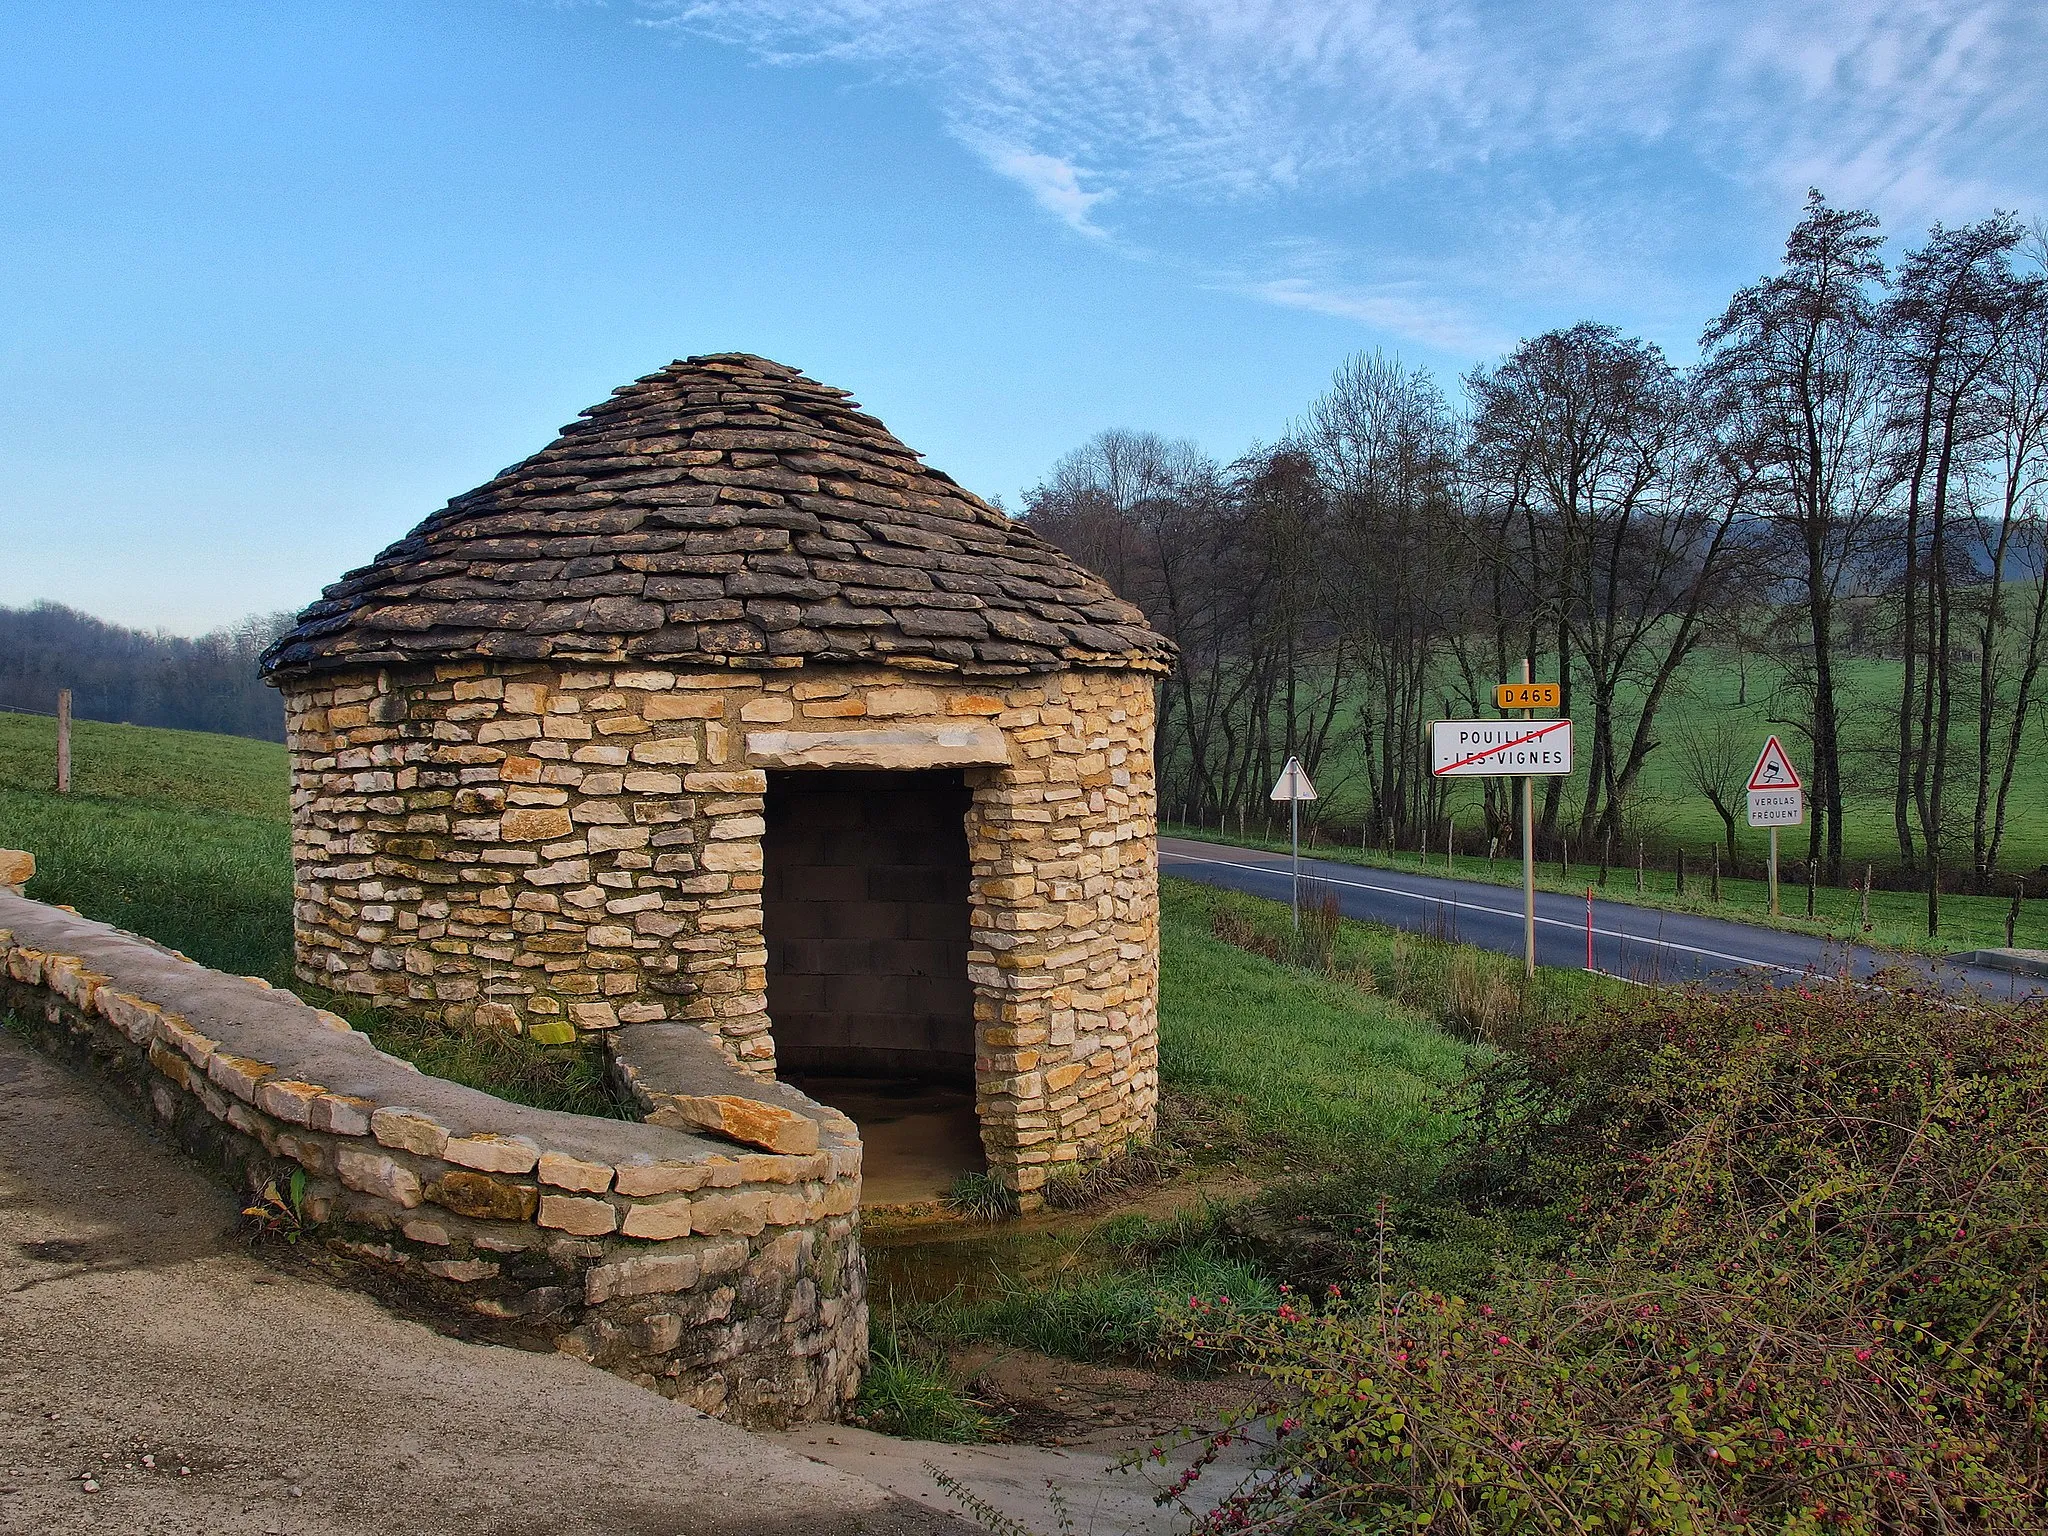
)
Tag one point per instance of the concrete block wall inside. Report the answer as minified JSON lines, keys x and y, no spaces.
{"x":865,"y":909}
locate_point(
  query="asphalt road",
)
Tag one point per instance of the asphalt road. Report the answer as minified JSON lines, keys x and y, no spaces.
{"x":1638,"y":943}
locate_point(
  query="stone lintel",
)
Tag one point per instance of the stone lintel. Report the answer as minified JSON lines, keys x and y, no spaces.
{"x":901,"y":744}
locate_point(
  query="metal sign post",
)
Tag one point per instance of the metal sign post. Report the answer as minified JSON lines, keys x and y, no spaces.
{"x":1528,"y":845}
{"x":1526,"y":749}
{"x":1294,"y":788}
{"x":1776,"y":799}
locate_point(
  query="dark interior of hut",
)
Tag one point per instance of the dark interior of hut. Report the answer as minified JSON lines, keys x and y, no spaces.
{"x":866,"y":917}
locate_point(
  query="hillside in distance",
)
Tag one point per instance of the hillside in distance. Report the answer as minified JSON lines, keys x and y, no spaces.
{"x":136,"y":677}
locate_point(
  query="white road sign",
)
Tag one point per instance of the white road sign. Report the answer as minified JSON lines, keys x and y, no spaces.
{"x":1774,"y":769}
{"x":1777,"y":807}
{"x":1465,"y":749}
{"x":1294,"y":784}
{"x":1776,"y":797}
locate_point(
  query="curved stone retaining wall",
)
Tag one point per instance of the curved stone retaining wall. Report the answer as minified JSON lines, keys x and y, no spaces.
{"x":729,"y":1278}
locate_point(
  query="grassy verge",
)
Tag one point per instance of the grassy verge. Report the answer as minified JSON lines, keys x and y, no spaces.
{"x":191,"y":769}
{"x":1898,"y":919}
{"x":1315,"y":1063}
{"x":1330,"y":1086}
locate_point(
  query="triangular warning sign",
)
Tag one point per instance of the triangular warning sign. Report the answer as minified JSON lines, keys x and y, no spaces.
{"x":1294,"y":784}
{"x":1773,"y":769}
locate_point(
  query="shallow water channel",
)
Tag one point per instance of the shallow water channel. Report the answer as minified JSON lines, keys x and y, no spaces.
{"x":960,"y":1260}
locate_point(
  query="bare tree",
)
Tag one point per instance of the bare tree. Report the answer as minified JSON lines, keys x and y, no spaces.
{"x":1798,"y":357}
{"x":1385,"y":445}
{"x":1157,"y":521}
{"x":1630,"y":501}
{"x":1301,"y":655}
{"x":1946,"y":322}
{"x":2009,"y":664}
{"x":1713,"y":755}
{"x":1231,"y":566}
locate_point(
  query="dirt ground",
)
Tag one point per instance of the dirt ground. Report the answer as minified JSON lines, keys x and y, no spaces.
{"x":157,"y":1377}
{"x":1043,"y":1400}
{"x":1076,"y":1451}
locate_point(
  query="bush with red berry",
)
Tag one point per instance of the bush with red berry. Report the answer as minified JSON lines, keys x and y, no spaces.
{"x":1806,"y":1292}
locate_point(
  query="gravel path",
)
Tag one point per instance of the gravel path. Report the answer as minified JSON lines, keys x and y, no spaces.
{"x":157,"y":1377}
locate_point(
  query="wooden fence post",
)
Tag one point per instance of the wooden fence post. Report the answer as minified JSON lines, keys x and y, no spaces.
{"x":63,"y":741}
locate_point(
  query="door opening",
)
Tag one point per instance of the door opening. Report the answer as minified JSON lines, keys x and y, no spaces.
{"x":866,"y":917}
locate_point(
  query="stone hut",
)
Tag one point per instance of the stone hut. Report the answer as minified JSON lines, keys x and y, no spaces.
{"x":724,"y":709}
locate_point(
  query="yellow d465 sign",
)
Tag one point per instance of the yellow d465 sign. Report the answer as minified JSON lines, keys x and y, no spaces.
{"x":1525,"y":696}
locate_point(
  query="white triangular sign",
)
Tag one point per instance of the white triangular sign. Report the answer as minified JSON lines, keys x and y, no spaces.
{"x":1294,"y":784}
{"x":1773,"y":769}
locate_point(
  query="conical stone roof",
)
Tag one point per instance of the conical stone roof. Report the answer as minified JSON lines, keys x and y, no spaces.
{"x":725,"y":510}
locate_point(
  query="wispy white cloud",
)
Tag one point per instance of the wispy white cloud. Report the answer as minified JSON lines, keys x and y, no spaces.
{"x":1321,"y":277}
{"x":1253,"y":95}
{"x":1404,"y":311}
{"x":1054,"y":184}
{"x":1924,"y":108}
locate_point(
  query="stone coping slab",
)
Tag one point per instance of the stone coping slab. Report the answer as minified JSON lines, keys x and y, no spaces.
{"x":676,"y":1074}
{"x":275,"y":1038}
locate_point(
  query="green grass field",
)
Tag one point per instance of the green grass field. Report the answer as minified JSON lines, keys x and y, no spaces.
{"x":178,"y":835}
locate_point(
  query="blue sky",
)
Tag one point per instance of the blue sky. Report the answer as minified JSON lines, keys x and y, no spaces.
{"x":283,"y":278}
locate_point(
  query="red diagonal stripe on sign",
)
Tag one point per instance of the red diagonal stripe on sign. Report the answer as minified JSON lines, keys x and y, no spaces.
{"x":1518,"y":741}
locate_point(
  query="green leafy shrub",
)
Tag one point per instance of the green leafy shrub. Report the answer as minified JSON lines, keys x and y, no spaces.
{"x":1806,"y":1290}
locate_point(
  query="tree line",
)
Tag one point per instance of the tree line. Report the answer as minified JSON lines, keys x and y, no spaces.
{"x":134,"y":677}
{"x":1852,"y":468}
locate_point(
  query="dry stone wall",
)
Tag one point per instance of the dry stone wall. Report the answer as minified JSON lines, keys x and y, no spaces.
{"x":728,"y":1278}
{"x":538,"y":847}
